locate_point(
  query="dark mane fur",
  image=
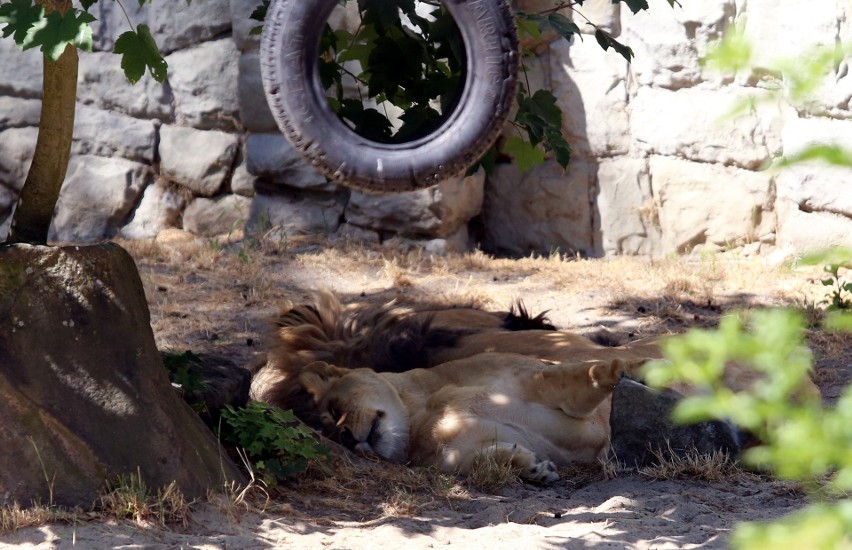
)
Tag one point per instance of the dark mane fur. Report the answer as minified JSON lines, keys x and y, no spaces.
{"x":519,"y":318}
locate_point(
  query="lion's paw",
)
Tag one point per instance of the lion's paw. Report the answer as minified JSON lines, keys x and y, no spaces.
{"x":544,"y":471}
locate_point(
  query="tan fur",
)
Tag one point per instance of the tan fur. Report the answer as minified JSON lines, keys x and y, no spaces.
{"x":518,"y":409}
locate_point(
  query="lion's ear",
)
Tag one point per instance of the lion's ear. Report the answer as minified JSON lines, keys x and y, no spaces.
{"x":607,"y":375}
{"x":318,"y":376}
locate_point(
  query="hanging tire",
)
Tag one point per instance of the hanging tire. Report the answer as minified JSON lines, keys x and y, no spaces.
{"x":289,"y":54}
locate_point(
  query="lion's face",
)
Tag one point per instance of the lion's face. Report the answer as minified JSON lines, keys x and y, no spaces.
{"x":359,"y":409}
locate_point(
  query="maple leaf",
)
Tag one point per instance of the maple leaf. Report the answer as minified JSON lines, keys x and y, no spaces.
{"x":138,"y":53}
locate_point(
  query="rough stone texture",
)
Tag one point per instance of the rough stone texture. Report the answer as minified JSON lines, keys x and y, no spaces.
{"x":201,"y":160}
{"x":204,"y":83}
{"x":540,"y":211}
{"x":101,"y":82}
{"x":160,"y":208}
{"x":106,"y":134}
{"x":625,"y":216}
{"x":94,"y":402}
{"x":21,"y":70}
{"x":97,"y":197}
{"x":16,"y":152}
{"x":17,"y":112}
{"x":292,"y":213}
{"x":436,"y":211}
{"x":695,"y":125}
{"x":802,"y":231}
{"x":212,"y":217}
{"x":668,"y":43}
{"x":641,"y":427}
{"x":254,"y":110}
{"x":591,"y":89}
{"x":705,"y":204}
{"x":271,"y":157}
{"x":242,"y":24}
{"x":223,"y":383}
{"x":177,"y":25}
{"x":242,"y":183}
{"x":602,"y":14}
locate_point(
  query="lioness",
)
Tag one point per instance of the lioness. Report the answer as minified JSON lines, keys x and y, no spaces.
{"x":517,"y":409}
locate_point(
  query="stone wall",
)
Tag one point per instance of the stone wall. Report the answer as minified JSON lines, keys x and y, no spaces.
{"x":657,"y":165}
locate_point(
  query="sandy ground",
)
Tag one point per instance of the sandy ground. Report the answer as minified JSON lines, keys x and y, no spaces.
{"x":213,"y":297}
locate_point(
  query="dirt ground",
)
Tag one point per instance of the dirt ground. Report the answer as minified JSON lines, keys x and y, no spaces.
{"x":214,"y":296}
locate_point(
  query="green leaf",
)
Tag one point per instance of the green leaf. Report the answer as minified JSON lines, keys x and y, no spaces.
{"x":563,"y":26}
{"x":637,"y":5}
{"x":139,"y":52}
{"x":606,"y":41}
{"x":54,"y":33}
{"x":259,"y":13}
{"x":526,"y":155}
{"x":88,"y":4}
{"x":20,"y":16}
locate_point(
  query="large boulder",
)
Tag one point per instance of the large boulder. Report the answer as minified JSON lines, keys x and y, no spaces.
{"x":84,"y":395}
{"x":643,"y":432}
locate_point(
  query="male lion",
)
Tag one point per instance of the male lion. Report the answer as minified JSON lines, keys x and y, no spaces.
{"x":512,"y":408}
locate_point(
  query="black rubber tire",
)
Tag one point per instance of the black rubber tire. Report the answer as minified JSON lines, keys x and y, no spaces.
{"x":289,"y":52}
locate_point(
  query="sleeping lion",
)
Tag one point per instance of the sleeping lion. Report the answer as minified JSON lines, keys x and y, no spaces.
{"x":513,"y":408}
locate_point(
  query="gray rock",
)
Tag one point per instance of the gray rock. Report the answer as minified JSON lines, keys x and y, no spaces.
{"x":176,"y":24}
{"x":625,"y":215}
{"x":254,"y":110}
{"x":204,"y":83}
{"x":212,"y":217}
{"x":457,"y":243}
{"x":111,"y":22}
{"x":437,"y":211}
{"x":219,"y":383}
{"x":242,"y":183}
{"x":271,"y":157}
{"x":291,"y":213}
{"x":541,"y":210}
{"x":17,"y":112}
{"x":160,"y":208}
{"x":197,"y":159}
{"x":17,"y":146}
{"x":101,"y":82}
{"x":5,"y":224}
{"x":95,"y":401}
{"x":106,"y":134}
{"x":21,"y":70}
{"x":641,"y":426}
{"x":97,"y":197}
{"x":242,"y":25}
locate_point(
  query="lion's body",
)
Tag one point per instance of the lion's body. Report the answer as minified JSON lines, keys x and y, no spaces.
{"x":516,"y":408}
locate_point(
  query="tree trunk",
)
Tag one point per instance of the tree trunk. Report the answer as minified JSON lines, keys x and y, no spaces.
{"x":37,"y":202}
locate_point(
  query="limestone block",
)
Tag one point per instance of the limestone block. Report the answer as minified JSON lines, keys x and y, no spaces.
{"x":295,"y":213}
{"x":204,"y":83}
{"x":5,"y":225}
{"x":625,"y":215}
{"x":590,"y":87}
{"x":21,"y":70}
{"x":17,"y":146}
{"x":177,"y":25}
{"x":242,"y":25}
{"x":242,"y":183}
{"x":101,"y":82}
{"x":456,"y":243}
{"x":160,"y":208}
{"x":816,"y":186}
{"x":212,"y":217}
{"x":254,"y":110}
{"x":668,"y":43}
{"x":107,"y":134}
{"x":97,"y":197}
{"x":436,"y":211}
{"x":197,"y":159}
{"x":17,"y":112}
{"x":8,"y":198}
{"x":781,"y":29}
{"x":709,"y":204}
{"x":271,"y":157}
{"x":695,"y":124}
{"x":540,"y":210}
{"x":805,"y":230}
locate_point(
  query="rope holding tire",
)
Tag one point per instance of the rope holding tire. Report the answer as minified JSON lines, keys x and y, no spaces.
{"x":289,"y":55}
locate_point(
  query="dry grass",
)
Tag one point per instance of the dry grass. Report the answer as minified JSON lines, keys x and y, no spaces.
{"x":714,"y":467}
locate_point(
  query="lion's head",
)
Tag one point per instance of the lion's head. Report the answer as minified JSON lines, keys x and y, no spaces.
{"x":360,"y":409}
